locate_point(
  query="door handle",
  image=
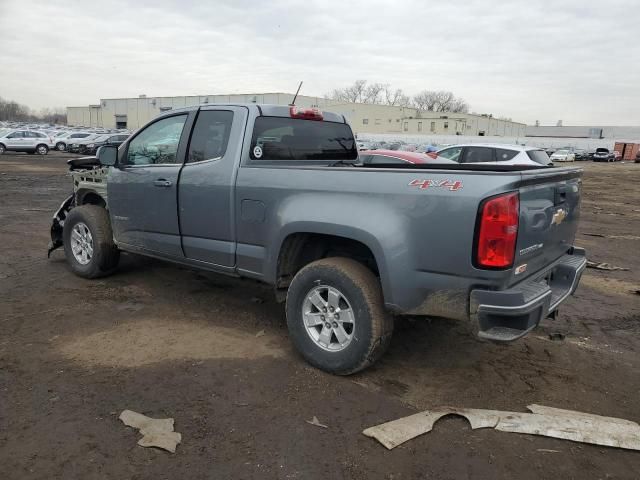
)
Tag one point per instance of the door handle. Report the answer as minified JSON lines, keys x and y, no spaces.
{"x":161,"y":182}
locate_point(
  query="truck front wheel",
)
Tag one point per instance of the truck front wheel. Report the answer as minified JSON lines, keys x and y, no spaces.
{"x":88,"y":242}
{"x":336,"y":317}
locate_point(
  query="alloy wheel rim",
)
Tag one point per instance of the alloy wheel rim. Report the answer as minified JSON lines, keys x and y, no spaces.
{"x":81,"y":243}
{"x":328,"y":318}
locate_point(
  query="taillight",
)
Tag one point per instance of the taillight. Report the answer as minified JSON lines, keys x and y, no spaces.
{"x":498,"y":231}
{"x":305,"y":113}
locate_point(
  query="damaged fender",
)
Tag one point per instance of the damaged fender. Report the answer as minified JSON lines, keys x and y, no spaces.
{"x":57,"y":224}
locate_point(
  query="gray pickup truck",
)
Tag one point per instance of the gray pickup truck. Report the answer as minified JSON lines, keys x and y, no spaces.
{"x":277,"y":194}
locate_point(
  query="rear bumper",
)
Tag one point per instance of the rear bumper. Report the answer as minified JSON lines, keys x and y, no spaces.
{"x":507,"y":315}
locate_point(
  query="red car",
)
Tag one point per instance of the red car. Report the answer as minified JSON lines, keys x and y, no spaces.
{"x":372,"y":157}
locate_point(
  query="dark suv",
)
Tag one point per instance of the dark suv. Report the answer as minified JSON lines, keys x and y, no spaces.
{"x":603,"y":155}
{"x":92,"y":147}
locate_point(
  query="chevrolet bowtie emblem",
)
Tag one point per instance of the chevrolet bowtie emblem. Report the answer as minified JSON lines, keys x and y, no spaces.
{"x":559,"y":216}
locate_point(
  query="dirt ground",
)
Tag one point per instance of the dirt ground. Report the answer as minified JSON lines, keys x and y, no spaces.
{"x":212,"y":352}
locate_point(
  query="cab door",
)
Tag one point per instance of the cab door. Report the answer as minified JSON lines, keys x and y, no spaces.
{"x":142,"y":189}
{"x":207,"y":185}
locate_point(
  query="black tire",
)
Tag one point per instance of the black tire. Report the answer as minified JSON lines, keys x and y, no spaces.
{"x":105,"y":254}
{"x":372,"y":328}
{"x":60,"y":146}
{"x":2,"y":149}
{"x":42,"y":149}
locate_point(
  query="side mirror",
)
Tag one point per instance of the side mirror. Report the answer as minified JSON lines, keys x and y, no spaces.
{"x":107,"y":155}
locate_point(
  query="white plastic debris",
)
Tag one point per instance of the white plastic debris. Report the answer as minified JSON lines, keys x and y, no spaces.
{"x":545,"y":421}
{"x":157,"y":432}
{"x":604,"y":266}
{"x":316,"y":423}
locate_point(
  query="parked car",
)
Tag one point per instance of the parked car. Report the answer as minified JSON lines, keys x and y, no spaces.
{"x":278,"y":194}
{"x":28,"y":141}
{"x":427,"y":148}
{"x":90,"y":147}
{"x":582,"y":154}
{"x":603,"y":155}
{"x":69,"y":137}
{"x":364,"y":145}
{"x":408,"y":147}
{"x":75,"y":144}
{"x":563,"y":156}
{"x":388,"y":157}
{"x":503,"y":154}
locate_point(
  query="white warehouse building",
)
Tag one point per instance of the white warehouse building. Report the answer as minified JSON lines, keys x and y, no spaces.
{"x":132,"y":113}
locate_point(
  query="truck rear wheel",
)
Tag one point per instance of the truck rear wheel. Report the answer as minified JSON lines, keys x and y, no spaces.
{"x":336,"y":316}
{"x":88,"y":242}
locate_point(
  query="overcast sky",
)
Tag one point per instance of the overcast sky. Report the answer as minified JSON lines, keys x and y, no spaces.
{"x":575,"y":60}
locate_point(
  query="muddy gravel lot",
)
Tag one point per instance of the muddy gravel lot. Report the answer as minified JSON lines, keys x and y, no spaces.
{"x":212,"y":352}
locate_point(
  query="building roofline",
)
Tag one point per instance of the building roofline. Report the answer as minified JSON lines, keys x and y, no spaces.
{"x":212,"y":95}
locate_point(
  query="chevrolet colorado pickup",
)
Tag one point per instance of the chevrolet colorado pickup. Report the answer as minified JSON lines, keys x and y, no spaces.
{"x":278,"y":194}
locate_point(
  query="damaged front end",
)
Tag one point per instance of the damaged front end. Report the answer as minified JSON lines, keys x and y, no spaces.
{"x":57,"y":225}
{"x":89,"y":186}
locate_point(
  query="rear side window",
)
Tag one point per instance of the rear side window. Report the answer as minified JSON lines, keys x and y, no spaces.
{"x":451,"y":153}
{"x":281,"y":138}
{"x":478,"y":155}
{"x":539,"y":156}
{"x":210,"y":135}
{"x":502,"y":154}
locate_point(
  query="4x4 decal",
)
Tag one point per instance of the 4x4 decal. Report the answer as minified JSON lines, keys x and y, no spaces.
{"x":452,"y":185}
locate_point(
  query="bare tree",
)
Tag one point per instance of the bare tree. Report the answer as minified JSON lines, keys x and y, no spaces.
{"x":425,"y":101}
{"x":351,"y":94}
{"x":13,"y":111}
{"x":395,"y":97}
{"x":459,"y":106}
{"x":439,"y":101}
{"x":382,"y":94}
{"x":373,"y":92}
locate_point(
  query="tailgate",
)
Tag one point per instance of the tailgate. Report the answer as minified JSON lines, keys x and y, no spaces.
{"x":549,"y":213}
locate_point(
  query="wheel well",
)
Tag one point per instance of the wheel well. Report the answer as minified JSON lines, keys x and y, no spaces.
{"x":300,"y":249}
{"x":90,"y":198}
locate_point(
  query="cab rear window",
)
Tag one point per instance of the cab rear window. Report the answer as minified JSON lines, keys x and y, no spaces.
{"x":281,"y":138}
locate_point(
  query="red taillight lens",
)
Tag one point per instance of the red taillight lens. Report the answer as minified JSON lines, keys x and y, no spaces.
{"x":498,"y":231}
{"x":305,"y":113}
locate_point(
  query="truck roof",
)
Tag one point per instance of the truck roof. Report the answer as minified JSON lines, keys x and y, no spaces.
{"x":263,"y":109}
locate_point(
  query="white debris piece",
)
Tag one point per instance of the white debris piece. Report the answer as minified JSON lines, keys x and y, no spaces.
{"x":315,"y":422}
{"x":545,"y":421}
{"x":157,"y":432}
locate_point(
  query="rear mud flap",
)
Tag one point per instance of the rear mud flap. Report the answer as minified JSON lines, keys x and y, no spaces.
{"x":57,"y":224}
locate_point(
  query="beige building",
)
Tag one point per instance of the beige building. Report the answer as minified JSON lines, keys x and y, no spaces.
{"x":366,"y":118}
{"x":132,"y":113}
